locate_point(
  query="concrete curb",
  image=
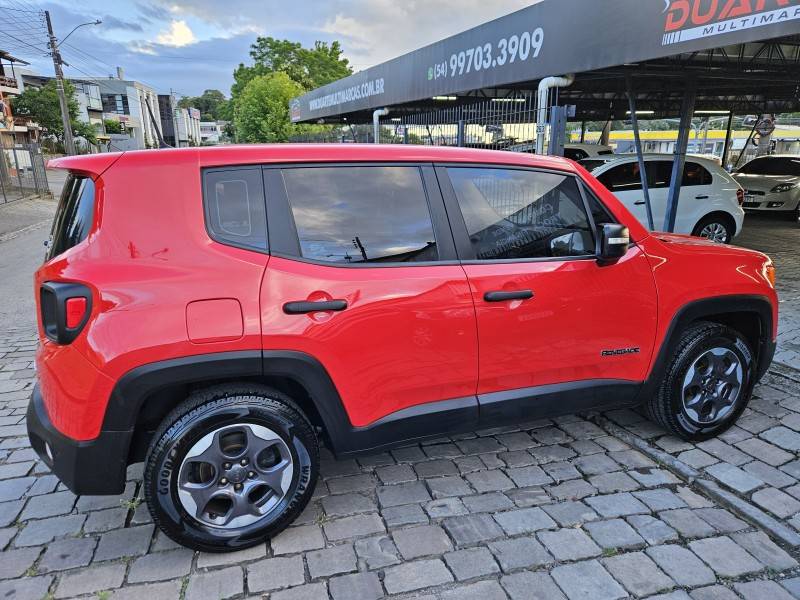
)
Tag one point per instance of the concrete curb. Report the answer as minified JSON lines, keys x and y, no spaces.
{"x":743,"y":508}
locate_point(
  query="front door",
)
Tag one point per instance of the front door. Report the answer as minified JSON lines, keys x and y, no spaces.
{"x":363,"y":278}
{"x":548,"y":313}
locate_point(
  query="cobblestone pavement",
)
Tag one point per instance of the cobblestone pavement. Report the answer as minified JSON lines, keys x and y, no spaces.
{"x":596,"y":507}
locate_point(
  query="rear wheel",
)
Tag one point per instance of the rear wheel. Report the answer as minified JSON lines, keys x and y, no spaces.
{"x":229,"y":467}
{"x":707,"y":384}
{"x":716,"y":227}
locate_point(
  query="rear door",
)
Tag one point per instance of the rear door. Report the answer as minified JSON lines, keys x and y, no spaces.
{"x":391,"y":319}
{"x":548,"y":313}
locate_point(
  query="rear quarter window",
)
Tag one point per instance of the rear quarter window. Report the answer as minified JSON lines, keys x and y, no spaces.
{"x":235,"y":208}
{"x":74,"y":215}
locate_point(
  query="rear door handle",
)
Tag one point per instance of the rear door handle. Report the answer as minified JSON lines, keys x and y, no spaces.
{"x":639,"y":203}
{"x":499,"y":296}
{"x":303,"y":307}
{"x":701,"y":197}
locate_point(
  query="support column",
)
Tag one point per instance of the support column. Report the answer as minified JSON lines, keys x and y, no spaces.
{"x":726,"y":149}
{"x":639,"y":155}
{"x":679,"y":160}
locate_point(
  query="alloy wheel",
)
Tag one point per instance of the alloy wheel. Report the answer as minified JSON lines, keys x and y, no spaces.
{"x":715,"y":232}
{"x":712,"y":385}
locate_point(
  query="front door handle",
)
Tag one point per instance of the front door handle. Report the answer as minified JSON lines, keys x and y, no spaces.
{"x":500,"y":296}
{"x":639,"y":203}
{"x":306,"y":306}
{"x":701,"y":197}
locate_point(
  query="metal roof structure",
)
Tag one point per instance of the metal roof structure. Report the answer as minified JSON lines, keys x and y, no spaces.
{"x":742,"y":55}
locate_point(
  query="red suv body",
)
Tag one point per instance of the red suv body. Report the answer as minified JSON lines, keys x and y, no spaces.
{"x":389,"y":293}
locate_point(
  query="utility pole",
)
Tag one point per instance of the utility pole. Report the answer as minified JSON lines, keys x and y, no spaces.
{"x":69,"y":142}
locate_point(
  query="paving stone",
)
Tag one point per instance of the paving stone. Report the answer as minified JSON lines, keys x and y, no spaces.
{"x":519,"y":440}
{"x":531,"y":586}
{"x":331,"y":561}
{"x":14,"y":489}
{"x":549,"y":436}
{"x":435,"y":468}
{"x":697,"y":458}
{"x":206,"y":560}
{"x":688,"y":524}
{"x":633,"y":459}
{"x":793,"y":585}
{"x":91,"y":580}
{"x":638,"y":574}
{"x":777,"y":502}
{"x":133,"y":541}
{"x":404,"y":493}
{"x":725,"y":557}
{"x":714,"y":592}
{"x":416,"y":575}
{"x":650,"y":477}
{"x":762,"y":590}
{"x":520,"y":553}
{"x":595,"y":464}
{"x":692,"y":499}
{"x":353,"y":483}
{"x":569,"y":544}
{"x":28,"y":588}
{"x":161,"y":565}
{"x":490,"y":502}
{"x":408,"y":454}
{"x":376,"y":552}
{"x":215,"y":585}
{"x":547,"y":454}
{"x":783,"y":438}
{"x":470,"y":563}
{"x":356,"y":526}
{"x":6,"y":536}
{"x":587,"y":580}
{"x":470,"y":529}
{"x":529,"y":476}
{"x":441,"y":451}
{"x":415,"y":542}
{"x":407,"y":514}
{"x":21,"y":469}
{"x":572,"y":490}
{"x":67,"y":554}
{"x":568,"y":514}
{"x":297,"y":539}
{"x":42,"y":531}
{"x":660,"y":499}
{"x":617,"y":481}
{"x":792,"y":468}
{"x":720,"y":519}
{"x":765,"y":452}
{"x":391,"y":474}
{"x":342,"y":505}
{"x":758,"y":545}
{"x":527,"y":497}
{"x":489,"y":481}
{"x":734,"y":477}
{"x":617,"y":505}
{"x":724,"y":452}
{"x":769,"y":475}
{"x":359,"y":586}
{"x":275,"y":573}
{"x":480,"y":445}
{"x":100,"y":521}
{"x":446,"y":487}
{"x":681,"y":565}
{"x":524,"y":520}
{"x":480,"y":590}
{"x":89,"y":503}
{"x":561,"y":471}
{"x":331,"y":468}
{"x":615,"y":533}
{"x":446,"y":507}
{"x":14,"y":563}
{"x":310,"y":591}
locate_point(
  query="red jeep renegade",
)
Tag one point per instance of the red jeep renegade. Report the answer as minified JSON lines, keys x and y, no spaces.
{"x":220,"y":312}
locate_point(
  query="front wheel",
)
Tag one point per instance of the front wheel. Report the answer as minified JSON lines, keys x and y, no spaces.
{"x":716,"y":228}
{"x":231,"y":466}
{"x":707,"y":383}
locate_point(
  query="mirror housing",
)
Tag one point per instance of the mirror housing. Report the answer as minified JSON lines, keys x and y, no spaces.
{"x":614,"y":242}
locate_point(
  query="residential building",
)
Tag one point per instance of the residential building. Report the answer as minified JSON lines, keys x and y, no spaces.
{"x":13,"y":130}
{"x":181,"y":126}
{"x":210,"y":132}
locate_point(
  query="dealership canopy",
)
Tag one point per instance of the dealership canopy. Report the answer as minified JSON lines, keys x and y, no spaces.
{"x":741,"y":55}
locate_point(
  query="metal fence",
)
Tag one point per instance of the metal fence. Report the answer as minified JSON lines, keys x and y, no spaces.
{"x":22,"y":172}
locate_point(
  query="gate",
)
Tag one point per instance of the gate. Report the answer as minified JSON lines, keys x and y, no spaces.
{"x":22,"y":172}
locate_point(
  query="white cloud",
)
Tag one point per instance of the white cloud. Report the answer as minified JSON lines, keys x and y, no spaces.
{"x":179,"y":34}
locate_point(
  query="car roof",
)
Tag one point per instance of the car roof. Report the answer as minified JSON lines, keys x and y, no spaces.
{"x":609,"y":158}
{"x":218,"y":156}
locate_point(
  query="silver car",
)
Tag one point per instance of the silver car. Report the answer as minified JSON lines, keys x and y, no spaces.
{"x":772,"y":184}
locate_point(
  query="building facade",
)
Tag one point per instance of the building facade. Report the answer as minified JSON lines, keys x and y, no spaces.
{"x":127,"y":101}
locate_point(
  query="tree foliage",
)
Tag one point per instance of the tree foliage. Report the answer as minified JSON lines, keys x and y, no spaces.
{"x":261,"y":112}
{"x":305,"y":68}
{"x":42,"y":106}
{"x":212,"y":104}
{"x":112,"y":126}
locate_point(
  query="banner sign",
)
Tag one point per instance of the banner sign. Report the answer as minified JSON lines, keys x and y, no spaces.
{"x":553,"y":37}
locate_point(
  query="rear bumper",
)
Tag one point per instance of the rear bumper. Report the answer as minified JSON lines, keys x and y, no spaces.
{"x":96,"y":466}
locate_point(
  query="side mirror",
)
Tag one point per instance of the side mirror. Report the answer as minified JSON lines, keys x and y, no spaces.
{"x":614,"y":242}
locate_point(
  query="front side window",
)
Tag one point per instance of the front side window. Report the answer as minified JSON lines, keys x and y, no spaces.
{"x":361,"y":214}
{"x":74,"y":215}
{"x":517,"y":214}
{"x":234,"y":207}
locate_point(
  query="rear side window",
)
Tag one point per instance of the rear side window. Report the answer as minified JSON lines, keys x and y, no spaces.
{"x":74,"y":216}
{"x":234,"y":207}
{"x":660,"y":174}
{"x":513,"y":214}
{"x":622,"y":178}
{"x":361,"y":214}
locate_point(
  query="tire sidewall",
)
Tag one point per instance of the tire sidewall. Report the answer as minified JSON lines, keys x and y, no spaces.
{"x":721,"y":338}
{"x":163,"y":467}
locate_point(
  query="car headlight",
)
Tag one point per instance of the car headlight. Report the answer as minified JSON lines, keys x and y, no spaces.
{"x":783,"y":187}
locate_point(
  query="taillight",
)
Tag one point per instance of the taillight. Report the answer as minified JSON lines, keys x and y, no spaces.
{"x":740,"y":196}
{"x":65,"y":309}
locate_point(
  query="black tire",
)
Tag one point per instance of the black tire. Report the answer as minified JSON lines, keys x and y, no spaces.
{"x":716,"y":219}
{"x":666,"y":407}
{"x":206,"y":411}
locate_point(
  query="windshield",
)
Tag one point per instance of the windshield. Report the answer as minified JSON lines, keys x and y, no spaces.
{"x":590,"y":164}
{"x":772,"y":166}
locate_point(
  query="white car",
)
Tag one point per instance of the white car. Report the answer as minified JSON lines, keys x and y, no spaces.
{"x":709,"y":204}
{"x":772,"y":183}
{"x":571,"y":151}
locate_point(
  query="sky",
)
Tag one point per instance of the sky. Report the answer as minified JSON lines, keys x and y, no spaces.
{"x":188,"y":46}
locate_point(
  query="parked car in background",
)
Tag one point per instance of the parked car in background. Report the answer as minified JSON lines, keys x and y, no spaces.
{"x":219,"y":313}
{"x":772,"y":184}
{"x":710,"y":201}
{"x":571,"y":151}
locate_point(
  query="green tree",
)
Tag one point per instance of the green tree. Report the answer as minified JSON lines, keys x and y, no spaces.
{"x":42,"y":106}
{"x":112,"y":126}
{"x":212,"y":104}
{"x":261,"y":113}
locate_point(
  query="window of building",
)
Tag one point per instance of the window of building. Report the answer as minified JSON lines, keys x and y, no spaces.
{"x":361,"y":214}
{"x":514,"y":214}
